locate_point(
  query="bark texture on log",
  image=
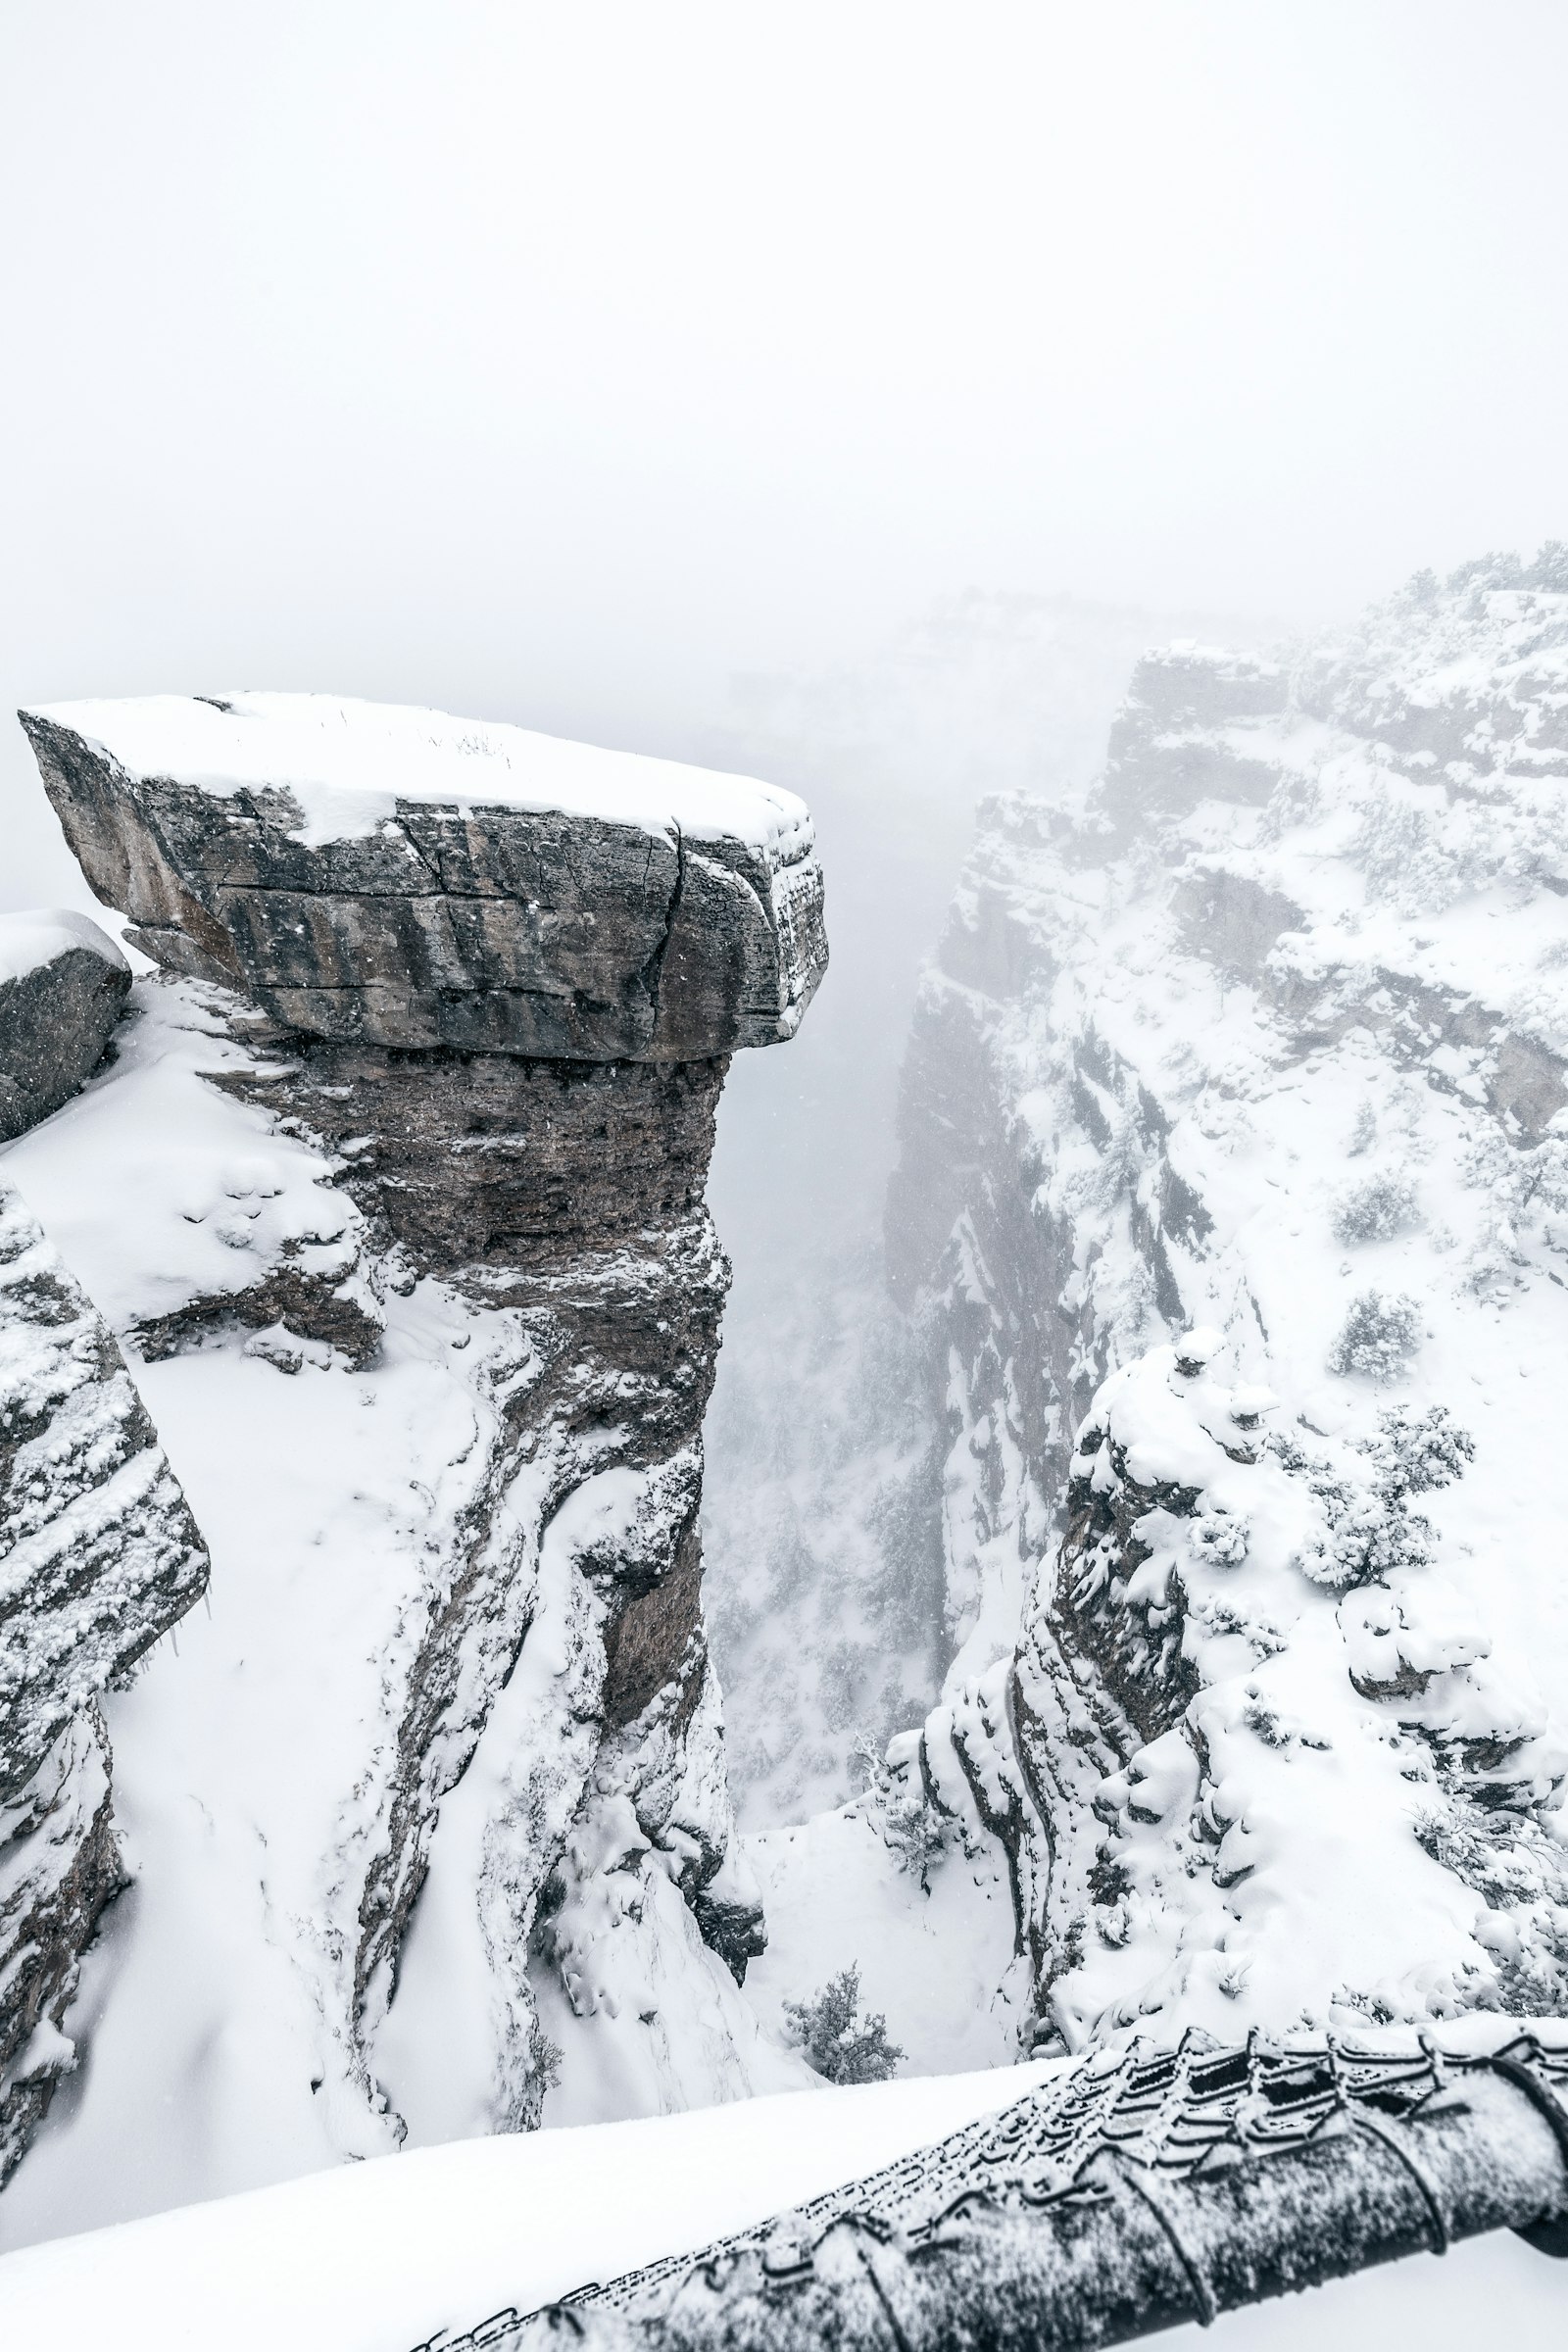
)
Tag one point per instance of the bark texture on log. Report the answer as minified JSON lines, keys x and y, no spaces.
{"x":1130,"y":2193}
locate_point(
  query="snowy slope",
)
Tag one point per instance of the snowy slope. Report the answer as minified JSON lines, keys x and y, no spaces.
{"x":258,"y":1754}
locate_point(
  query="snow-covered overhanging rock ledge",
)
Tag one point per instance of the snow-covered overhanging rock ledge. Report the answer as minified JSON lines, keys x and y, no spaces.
{"x":429,"y":1821}
{"x":396,"y":877}
{"x":1235,"y":1195}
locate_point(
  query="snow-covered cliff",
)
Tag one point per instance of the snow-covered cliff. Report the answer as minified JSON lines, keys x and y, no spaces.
{"x":427,"y":1822}
{"x":1235,"y":1192}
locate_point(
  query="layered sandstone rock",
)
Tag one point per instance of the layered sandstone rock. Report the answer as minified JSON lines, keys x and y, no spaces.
{"x":403,"y":879}
{"x":447,"y":1016}
{"x":99,"y":1557}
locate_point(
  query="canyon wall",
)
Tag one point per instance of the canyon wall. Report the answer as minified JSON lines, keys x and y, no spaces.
{"x":99,"y":1556}
{"x":418,"y":1116}
{"x":1234,"y":1194}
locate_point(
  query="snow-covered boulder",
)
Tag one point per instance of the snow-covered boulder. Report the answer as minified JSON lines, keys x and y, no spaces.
{"x":402,"y":878}
{"x":99,"y":1557}
{"x":63,"y":987}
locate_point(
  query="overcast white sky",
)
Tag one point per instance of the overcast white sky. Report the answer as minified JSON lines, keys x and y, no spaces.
{"x":554,"y":363}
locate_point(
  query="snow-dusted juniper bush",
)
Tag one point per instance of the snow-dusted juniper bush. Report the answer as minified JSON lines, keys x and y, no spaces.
{"x":835,"y":2039}
{"x":1375,"y":1211}
{"x":1378,"y":1337}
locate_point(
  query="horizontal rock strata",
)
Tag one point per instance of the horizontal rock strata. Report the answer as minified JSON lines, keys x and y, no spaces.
{"x":99,"y":1557}
{"x":403,"y":879}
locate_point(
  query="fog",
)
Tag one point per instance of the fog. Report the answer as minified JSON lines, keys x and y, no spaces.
{"x":842,"y":393}
{"x":568,"y":366}
{"x":561,"y":364}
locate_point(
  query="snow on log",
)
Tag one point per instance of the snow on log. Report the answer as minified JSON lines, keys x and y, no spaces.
{"x":1131,"y":2192}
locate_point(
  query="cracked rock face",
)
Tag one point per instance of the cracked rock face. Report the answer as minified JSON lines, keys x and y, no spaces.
{"x":401,"y":880}
{"x":99,"y":1557}
{"x":63,"y":987}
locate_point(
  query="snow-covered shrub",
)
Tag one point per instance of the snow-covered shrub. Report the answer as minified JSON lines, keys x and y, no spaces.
{"x":545,"y":2059}
{"x":1364,"y":1133}
{"x":1369,"y":1528}
{"x":1378,"y":1337}
{"x":911,"y":1829}
{"x":1413,"y":852}
{"x":1517,"y":1181}
{"x":1375,"y":1211}
{"x":1221,"y":1537}
{"x":1523,"y":1191}
{"x":836,"y":2041}
{"x":1415,"y":1453}
{"x":1364,"y":1536}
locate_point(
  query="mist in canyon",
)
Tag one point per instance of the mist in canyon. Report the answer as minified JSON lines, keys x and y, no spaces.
{"x":994,"y":432}
{"x":846,"y":401}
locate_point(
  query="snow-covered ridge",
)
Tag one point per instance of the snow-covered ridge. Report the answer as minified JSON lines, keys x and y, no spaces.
{"x":348,"y":763}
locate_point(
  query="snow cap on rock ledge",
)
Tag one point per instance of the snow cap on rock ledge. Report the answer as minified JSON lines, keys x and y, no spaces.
{"x":397,"y":877}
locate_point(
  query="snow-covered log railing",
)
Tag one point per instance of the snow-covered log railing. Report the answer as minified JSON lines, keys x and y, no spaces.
{"x":1128,"y":2194}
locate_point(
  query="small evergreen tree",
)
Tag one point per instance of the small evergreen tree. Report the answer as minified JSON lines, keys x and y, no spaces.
{"x":837,"y":2042}
{"x":1379,"y":1336}
{"x":1369,"y":1528}
{"x":910,"y":1829}
{"x":1374,"y":1211}
{"x":1415,"y":1453}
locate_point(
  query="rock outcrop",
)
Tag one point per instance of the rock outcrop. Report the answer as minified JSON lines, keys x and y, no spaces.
{"x":99,"y":1557}
{"x":63,"y":987}
{"x":1267,"y":1035}
{"x":478,"y":991}
{"x":401,"y":880}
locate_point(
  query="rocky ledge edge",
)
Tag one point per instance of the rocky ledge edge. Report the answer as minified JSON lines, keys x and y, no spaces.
{"x":395,"y":877}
